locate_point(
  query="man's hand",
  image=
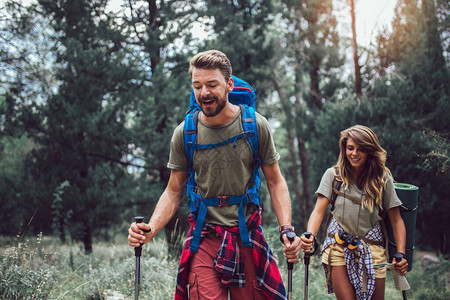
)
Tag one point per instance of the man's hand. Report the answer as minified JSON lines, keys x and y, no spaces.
{"x":291,"y":250}
{"x":137,"y":236}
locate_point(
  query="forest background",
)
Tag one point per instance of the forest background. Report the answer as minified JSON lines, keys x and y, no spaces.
{"x":89,"y":98}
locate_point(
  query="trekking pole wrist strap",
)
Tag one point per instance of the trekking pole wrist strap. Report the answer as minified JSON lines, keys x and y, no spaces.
{"x":309,"y":234}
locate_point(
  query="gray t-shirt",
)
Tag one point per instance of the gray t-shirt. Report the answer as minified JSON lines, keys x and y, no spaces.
{"x":354,"y":218}
{"x":225,"y":170}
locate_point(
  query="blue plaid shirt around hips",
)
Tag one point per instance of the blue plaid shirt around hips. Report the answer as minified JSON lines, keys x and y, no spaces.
{"x":355,"y":269}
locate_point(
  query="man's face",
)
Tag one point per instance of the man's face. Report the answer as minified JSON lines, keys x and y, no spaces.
{"x":211,"y":90}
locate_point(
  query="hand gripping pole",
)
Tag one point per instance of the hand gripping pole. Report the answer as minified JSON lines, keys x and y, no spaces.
{"x":291,"y":236}
{"x":306,"y":259}
{"x":137,"y":253}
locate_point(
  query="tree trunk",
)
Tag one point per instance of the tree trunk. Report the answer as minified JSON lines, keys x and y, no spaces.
{"x":307,"y":205}
{"x":62,"y":231}
{"x":315,"y":92}
{"x":287,"y":107}
{"x":355,"y":52}
{"x":87,"y":238}
{"x":304,"y":171}
{"x":294,"y":167}
{"x":154,"y":44}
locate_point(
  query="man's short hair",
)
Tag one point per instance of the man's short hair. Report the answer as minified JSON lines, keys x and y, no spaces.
{"x":210,"y":60}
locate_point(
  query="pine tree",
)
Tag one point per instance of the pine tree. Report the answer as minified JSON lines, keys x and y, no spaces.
{"x":159,"y":34}
{"x":239,"y":30}
{"x":406,"y":108}
{"x":83,"y":131}
{"x":306,"y":77}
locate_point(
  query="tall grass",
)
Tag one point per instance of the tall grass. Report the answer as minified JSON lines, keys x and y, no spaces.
{"x":42,"y":268}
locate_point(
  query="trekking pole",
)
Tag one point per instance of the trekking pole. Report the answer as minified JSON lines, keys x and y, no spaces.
{"x":137,"y":253}
{"x":291,"y":236}
{"x":398,"y":257}
{"x":306,"y":261}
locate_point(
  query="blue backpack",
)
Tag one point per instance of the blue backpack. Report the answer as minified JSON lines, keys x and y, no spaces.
{"x":244,"y":96}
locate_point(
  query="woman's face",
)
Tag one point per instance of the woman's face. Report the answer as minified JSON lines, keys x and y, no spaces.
{"x":356,"y":157}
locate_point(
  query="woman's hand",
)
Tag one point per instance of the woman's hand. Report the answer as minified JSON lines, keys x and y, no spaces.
{"x":401,"y":267}
{"x":306,"y":244}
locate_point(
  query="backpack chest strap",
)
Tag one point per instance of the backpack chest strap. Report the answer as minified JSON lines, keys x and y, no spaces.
{"x":200,"y":205}
{"x":353,"y":199}
{"x":251,"y":196}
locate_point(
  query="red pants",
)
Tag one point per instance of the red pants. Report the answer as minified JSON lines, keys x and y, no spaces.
{"x":204,"y":280}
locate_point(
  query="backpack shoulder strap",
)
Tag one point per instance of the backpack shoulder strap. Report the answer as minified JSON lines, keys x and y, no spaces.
{"x":190,"y":136}
{"x":336,"y":186}
{"x":248,"y":117}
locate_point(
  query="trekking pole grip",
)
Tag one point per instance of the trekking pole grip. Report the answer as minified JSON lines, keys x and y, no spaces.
{"x":291,"y":237}
{"x":138,"y":250}
{"x":398,"y":257}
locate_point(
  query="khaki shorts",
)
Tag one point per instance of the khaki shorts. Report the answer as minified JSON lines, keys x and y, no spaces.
{"x":337,"y":258}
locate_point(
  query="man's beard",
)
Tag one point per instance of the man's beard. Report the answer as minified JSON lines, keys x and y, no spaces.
{"x":213,"y":111}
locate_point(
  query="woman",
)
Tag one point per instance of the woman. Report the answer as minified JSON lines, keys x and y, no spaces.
{"x":354,"y":242}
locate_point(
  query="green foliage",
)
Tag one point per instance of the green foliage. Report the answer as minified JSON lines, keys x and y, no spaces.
{"x":434,"y":285}
{"x":417,"y":138}
{"x":60,"y":216}
{"x":415,"y":49}
{"x":13,"y":182}
{"x":42,"y":268}
{"x":240,"y":32}
{"x":25,"y":273}
{"x":407,"y":110}
{"x":26,"y":56}
{"x":91,"y":97}
{"x":106,"y":129}
{"x":164,"y":97}
{"x":415,"y":154}
{"x":305,"y":74}
{"x":83,"y":128}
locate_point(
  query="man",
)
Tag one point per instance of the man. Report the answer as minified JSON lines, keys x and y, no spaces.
{"x":222,"y":263}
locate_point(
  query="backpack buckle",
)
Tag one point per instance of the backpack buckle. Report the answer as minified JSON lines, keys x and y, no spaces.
{"x":223,"y":200}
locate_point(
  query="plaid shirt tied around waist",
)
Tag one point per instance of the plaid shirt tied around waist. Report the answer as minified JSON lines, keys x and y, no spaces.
{"x":361,"y":273}
{"x":227,"y":261}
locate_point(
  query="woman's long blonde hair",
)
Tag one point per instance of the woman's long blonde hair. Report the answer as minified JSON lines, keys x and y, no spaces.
{"x":375,"y":173}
